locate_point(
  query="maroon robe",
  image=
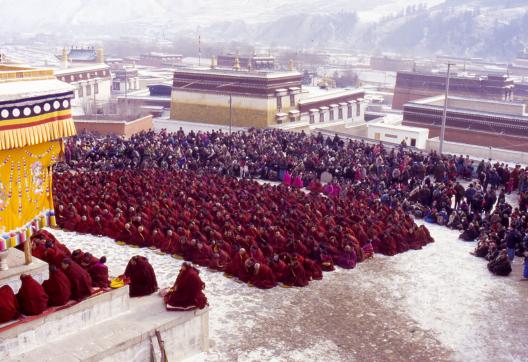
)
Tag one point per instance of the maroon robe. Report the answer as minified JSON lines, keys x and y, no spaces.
{"x":264,"y":278}
{"x":347,"y":259}
{"x":187,"y":292}
{"x":280,"y":269}
{"x":313,"y":269}
{"x":99,"y":274}
{"x":31,"y":297}
{"x":80,"y":280}
{"x":237,"y":265}
{"x":142,"y":277}
{"x":296,"y":275}
{"x":8,"y":304}
{"x":57,"y":287}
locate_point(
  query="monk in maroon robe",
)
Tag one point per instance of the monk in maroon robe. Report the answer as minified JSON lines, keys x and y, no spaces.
{"x":79,"y":278}
{"x":187,"y":292}
{"x":313,"y":270}
{"x":279,"y":268}
{"x":57,"y":287}
{"x":296,"y":275}
{"x":142,"y":277}
{"x":348,"y":258}
{"x":31,"y":296}
{"x":8,"y":304}
{"x":263,"y":277}
{"x":99,"y":273}
{"x":202,"y":254}
{"x":235,"y":268}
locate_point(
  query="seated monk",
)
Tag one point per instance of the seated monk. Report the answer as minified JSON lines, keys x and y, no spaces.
{"x":315,"y":187}
{"x":201,"y":254}
{"x":368,"y":250}
{"x":57,"y":287}
{"x":279,"y":268}
{"x":237,"y":263}
{"x":142,"y":277}
{"x":8,"y":304}
{"x":187,"y":291}
{"x":88,"y":260}
{"x":296,"y":275}
{"x":54,"y":242}
{"x":31,"y":297}
{"x":79,"y":278}
{"x":38,"y":248}
{"x":347,"y":259}
{"x":313,"y":270}
{"x":219,"y":260}
{"x":327,"y":264}
{"x":99,"y":273}
{"x":77,"y":256}
{"x":263,"y":277}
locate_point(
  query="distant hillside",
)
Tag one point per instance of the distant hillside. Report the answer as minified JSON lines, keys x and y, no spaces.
{"x":484,"y":28}
{"x":491,"y":29}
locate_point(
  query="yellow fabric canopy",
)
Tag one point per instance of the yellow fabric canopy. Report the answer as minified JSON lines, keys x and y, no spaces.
{"x":34,"y":130}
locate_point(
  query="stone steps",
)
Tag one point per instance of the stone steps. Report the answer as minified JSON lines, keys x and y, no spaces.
{"x":42,"y":330}
{"x":131,"y":336}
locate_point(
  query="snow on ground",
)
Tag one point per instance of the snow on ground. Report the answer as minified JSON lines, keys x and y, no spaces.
{"x":439,"y":303}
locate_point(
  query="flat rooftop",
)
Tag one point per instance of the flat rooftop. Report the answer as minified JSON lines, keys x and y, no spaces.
{"x":475,"y":105}
{"x":268,"y":74}
{"x":316,"y":94}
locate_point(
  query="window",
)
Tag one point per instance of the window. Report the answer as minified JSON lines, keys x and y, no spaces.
{"x":81,"y":92}
{"x":279,"y":103}
{"x":388,"y":135}
{"x":332,"y":115}
{"x":116,"y":86}
{"x":292,"y":100}
{"x":358,"y":109}
{"x":88,"y":90}
{"x":340,"y":113}
{"x":312,"y":118}
{"x":96,"y":88}
{"x":349,"y":111}
{"x":413,"y":142}
{"x":321,"y":117}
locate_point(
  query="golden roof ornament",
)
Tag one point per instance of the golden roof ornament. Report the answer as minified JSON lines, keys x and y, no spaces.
{"x":291,"y":66}
{"x":237,"y":64}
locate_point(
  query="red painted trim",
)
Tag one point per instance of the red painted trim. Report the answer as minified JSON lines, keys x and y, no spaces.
{"x":32,"y":124}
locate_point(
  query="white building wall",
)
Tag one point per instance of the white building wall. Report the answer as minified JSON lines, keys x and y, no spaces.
{"x":213,"y":99}
{"x":397,"y":134}
{"x":85,"y":104}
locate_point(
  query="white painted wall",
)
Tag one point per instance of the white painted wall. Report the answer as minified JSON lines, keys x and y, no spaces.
{"x":396,"y":134}
{"x":86,"y":103}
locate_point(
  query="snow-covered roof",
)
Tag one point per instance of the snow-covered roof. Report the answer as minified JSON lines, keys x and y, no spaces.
{"x":82,"y":54}
{"x":10,"y":91}
{"x":74,"y":68}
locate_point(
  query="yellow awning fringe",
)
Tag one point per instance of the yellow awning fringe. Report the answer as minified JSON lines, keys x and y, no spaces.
{"x":29,"y":136}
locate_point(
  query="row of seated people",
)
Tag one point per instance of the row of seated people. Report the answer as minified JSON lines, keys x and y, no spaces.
{"x":72,"y":276}
{"x":72,"y":282}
